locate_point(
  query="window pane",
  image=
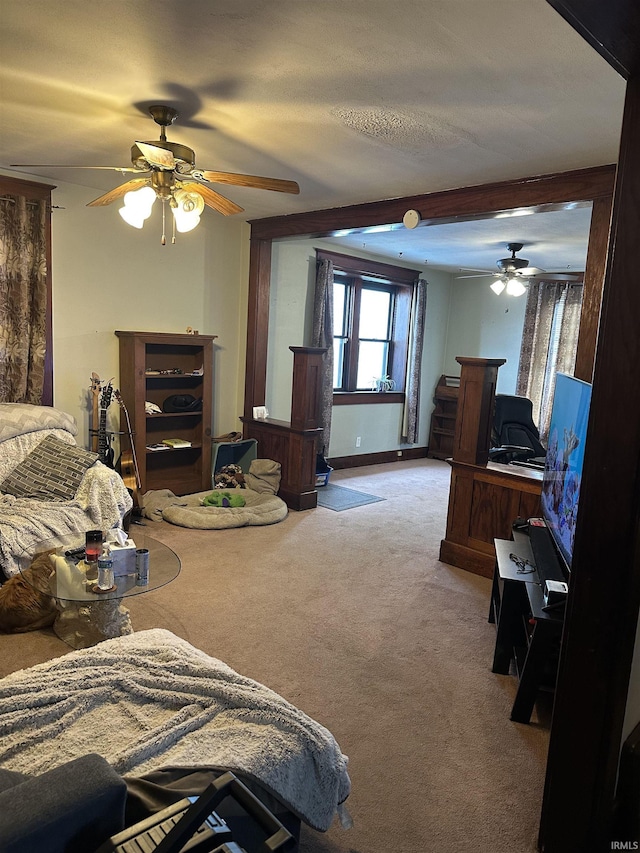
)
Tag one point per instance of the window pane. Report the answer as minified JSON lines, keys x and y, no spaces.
{"x":374,"y":314}
{"x":339,"y":299}
{"x":372,"y":362}
{"x":338,"y":362}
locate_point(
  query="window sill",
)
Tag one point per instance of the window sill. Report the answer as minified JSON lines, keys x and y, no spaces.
{"x":358,"y":398}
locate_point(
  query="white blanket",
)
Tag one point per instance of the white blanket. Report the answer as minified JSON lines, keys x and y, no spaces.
{"x":151,"y":700}
{"x":101,"y":501}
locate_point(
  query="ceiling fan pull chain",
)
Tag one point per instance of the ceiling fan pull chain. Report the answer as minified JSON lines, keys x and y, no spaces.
{"x":164,"y":236}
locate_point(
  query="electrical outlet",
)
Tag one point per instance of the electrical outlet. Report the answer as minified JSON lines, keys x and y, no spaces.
{"x":358,"y":440}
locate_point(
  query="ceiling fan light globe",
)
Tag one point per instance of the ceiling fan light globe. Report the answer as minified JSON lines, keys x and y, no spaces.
{"x":185,"y":221}
{"x":189,"y":202}
{"x":132,"y":216}
{"x":497,"y":287}
{"x":141,"y":201}
{"x":515,"y":287}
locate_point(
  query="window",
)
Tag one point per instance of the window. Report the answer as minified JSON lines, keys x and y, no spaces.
{"x":371,"y":313}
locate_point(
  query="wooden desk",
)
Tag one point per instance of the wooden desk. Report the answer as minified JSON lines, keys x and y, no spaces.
{"x":526,"y":633}
{"x":483,"y":502}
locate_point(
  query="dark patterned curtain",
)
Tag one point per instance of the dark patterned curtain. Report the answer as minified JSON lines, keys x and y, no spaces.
{"x":23,"y":298}
{"x":414,"y":364}
{"x":549,"y":343}
{"x":323,"y":337}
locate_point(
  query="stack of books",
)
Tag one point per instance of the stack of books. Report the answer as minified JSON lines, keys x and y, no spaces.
{"x":176,"y":442}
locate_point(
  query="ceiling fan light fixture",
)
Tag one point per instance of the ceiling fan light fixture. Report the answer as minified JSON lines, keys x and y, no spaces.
{"x":186,"y":208}
{"x":498,"y":286}
{"x":189,"y":202}
{"x":515,"y":287}
{"x":185,"y":221}
{"x":132,"y":217}
{"x":137,"y":206}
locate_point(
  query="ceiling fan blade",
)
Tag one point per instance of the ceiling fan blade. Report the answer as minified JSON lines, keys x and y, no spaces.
{"x":559,"y":276}
{"x":480,"y":275}
{"x":527,"y":271}
{"x":212,"y":199}
{"x":118,"y":192}
{"x":64,"y":166}
{"x":476,"y":269}
{"x":157,"y":156}
{"x":275,"y":184}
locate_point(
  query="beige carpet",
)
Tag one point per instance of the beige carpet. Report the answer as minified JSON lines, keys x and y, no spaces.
{"x":351,"y":617}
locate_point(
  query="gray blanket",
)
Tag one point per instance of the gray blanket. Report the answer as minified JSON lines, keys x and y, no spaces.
{"x":21,"y":418}
{"x":151,"y":700}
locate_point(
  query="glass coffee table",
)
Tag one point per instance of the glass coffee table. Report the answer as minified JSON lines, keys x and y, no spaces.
{"x":86,"y":614}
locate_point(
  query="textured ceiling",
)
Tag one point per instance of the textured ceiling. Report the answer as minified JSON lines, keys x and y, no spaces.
{"x":357,"y":100}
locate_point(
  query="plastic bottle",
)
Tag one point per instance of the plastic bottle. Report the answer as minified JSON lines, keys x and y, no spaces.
{"x":105,"y":570}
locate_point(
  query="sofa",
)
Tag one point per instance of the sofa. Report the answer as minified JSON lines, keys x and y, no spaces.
{"x":66,"y":810}
{"x":85,"y":806}
{"x":50,"y":487}
{"x":169,"y":719}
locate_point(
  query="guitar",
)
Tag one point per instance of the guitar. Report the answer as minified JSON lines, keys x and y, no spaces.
{"x":129,"y":470}
{"x":105,"y":451}
{"x":95,"y":390}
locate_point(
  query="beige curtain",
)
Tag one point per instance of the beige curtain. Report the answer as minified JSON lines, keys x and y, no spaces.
{"x":323,"y":337}
{"x":549,"y":342}
{"x":23,"y":298}
{"x":414,"y":364}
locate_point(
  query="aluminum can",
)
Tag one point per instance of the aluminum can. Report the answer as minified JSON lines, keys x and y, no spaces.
{"x":142,"y":566}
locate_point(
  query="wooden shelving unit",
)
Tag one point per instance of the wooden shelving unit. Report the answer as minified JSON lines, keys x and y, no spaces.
{"x":443,"y":417}
{"x":184,"y":365}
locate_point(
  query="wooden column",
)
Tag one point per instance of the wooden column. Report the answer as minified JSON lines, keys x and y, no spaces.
{"x":306,"y":393}
{"x":257,"y":325}
{"x":604,"y":591}
{"x":293,"y":444}
{"x":485,"y":497}
{"x":592,"y":288}
{"x":478,"y":379}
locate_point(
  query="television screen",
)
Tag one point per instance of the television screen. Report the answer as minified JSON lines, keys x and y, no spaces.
{"x":563,"y":463}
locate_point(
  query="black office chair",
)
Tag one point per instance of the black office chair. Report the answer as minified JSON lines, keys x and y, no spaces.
{"x":514,"y":436}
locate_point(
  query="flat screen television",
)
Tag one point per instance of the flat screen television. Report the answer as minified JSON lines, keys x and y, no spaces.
{"x":563,"y":462}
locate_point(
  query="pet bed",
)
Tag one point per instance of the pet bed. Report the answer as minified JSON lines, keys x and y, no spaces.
{"x":259,"y":508}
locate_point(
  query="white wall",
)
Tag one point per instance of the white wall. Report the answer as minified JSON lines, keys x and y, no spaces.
{"x":464,"y":318}
{"x":108,"y":275}
{"x":483,"y":325}
{"x":290,"y":323}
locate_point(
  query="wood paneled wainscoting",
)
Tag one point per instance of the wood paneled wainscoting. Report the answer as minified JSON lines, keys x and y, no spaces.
{"x":483,"y":503}
{"x":293,"y":443}
{"x":295,"y":450}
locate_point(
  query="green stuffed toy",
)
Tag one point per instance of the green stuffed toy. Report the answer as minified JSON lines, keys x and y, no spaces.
{"x":224,"y":499}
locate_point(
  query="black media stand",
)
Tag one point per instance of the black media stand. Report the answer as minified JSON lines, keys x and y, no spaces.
{"x":526,"y":633}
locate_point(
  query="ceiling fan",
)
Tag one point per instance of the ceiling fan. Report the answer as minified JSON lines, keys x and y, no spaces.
{"x":514,"y":273}
{"x":168,"y":171}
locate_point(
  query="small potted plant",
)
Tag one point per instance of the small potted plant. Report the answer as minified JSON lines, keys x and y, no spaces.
{"x":382,"y":384}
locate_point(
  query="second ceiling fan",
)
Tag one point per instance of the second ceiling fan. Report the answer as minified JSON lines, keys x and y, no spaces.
{"x":514,"y":273}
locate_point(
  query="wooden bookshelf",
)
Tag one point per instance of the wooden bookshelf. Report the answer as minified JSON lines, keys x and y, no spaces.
{"x":153,"y":367}
{"x":443,"y":417}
